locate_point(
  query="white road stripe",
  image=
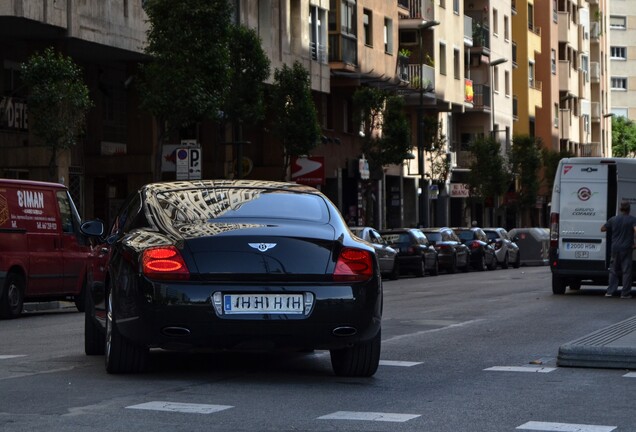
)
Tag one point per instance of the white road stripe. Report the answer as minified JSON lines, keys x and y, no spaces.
{"x":5,"y":357}
{"x":435,"y":330}
{"x":630,"y":375}
{"x":369,"y":416}
{"x":539,"y":369}
{"x":180,"y":407}
{"x":564,"y":427}
{"x":398,"y":363}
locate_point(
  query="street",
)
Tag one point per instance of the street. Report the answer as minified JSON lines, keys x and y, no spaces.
{"x":467,"y":352}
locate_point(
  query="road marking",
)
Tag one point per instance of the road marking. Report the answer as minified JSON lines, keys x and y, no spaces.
{"x":180,"y":407}
{"x":422,"y":332}
{"x":539,"y":369}
{"x":564,"y":427}
{"x":369,"y":416}
{"x":398,"y":363}
{"x":5,"y":357}
{"x":630,"y":375}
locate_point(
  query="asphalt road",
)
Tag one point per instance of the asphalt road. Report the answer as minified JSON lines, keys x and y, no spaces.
{"x":473,"y":352}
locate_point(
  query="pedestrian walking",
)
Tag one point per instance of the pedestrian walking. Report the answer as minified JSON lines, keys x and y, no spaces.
{"x":621,"y":229}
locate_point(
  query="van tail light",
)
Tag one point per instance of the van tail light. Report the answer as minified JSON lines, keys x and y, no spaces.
{"x":554,"y":230}
{"x":353,"y":265}
{"x":164,"y":263}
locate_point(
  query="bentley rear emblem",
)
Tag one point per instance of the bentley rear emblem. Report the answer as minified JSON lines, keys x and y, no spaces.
{"x":262,"y":247}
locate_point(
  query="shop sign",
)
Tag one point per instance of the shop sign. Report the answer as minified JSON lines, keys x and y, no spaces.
{"x":459,"y":190}
{"x":308,"y":170}
{"x":363,"y":167}
{"x":13,"y":113}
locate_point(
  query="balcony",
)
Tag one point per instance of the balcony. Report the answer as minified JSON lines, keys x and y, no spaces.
{"x":565,"y":124}
{"x":417,"y":9}
{"x":480,"y":31}
{"x":343,"y":49}
{"x":481,"y":97}
{"x":593,"y":149}
{"x":596,"y":111}
{"x":568,"y":30}
{"x":568,"y":78}
{"x":595,"y":72}
{"x":468,"y":31}
{"x":420,"y":76}
{"x":595,"y":31}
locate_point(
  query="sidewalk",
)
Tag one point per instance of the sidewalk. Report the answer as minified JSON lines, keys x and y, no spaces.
{"x":46,"y":306}
{"x":613,"y":347}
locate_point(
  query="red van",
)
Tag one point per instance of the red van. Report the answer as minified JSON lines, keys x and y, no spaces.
{"x":43,"y":255}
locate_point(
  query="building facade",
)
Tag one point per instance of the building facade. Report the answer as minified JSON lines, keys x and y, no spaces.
{"x":622,"y":30}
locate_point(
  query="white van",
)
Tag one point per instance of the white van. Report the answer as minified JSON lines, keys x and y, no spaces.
{"x":586,"y":193}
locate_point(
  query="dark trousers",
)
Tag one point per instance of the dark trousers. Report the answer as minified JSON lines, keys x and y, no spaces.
{"x":621,"y":264}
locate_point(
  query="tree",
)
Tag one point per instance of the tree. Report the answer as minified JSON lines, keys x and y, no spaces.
{"x":623,"y":137}
{"x":550,"y":161}
{"x":437,"y":159}
{"x":58,"y":101}
{"x":187,"y":76}
{"x":525,"y":162}
{"x":489,"y":175}
{"x":295,"y":116}
{"x":385,"y":127}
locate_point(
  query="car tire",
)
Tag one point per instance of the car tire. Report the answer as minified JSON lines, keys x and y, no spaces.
{"x":435,"y":270}
{"x":481,"y":265}
{"x":493,"y":263}
{"x":395,"y":273}
{"x":558,"y":285}
{"x":505,"y":264}
{"x":12,"y":299}
{"x":94,"y":343}
{"x":121,"y":355}
{"x":360,"y":360}
{"x":80,"y":299}
{"x":517,"y":262}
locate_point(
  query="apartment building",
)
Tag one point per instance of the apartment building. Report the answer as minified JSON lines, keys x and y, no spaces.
{"x":622,"y":30}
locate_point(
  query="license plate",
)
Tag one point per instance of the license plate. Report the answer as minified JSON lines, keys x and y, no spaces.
{"x":590,"y":247}
{"x":263,"y":303}
{"x":581,"y":254}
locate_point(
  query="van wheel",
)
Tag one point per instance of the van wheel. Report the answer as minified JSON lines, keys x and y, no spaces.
{"x":12,"y":297}
{"x":122,"y":355}
{"x":558,"y":285}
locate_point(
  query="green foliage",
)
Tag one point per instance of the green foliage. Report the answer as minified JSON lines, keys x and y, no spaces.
{"x":525,"y":163}
{"x":249,"y":67}
{"x":58,"y":100}
{"x":295,"y":116}
{"x":623,"y":137}
{"x":489,"y":175}
{"x":188,"y":74}
{"x":386,"y":130}
{"x":550,"y":161}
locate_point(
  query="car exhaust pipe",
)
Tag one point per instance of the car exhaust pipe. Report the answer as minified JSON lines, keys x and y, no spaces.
{"x":176,"y":331}
{"x":344,"y":331}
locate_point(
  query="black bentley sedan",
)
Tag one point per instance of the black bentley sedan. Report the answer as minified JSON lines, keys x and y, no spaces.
{"x":232,"y":265}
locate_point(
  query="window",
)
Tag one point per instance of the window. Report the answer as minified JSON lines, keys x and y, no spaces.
{"x":495,"y":22}
{"x":555,"y":13}
{"x":556,"y":116}
{"x":317,"y":34}
{"x":531,"y":82}
{"x":507,"y":82}
{"x":456,"y":7}
{"x":620,"y":112}
{"x":553,"y":61}
{"x":618,"y":53}
{"x":367,"y":20}
{"x":456,"y":64}
{"x":619,"y":83}
{"x":618,"y":22}
{"x":495,"y":79}
{"x":442,"y":58}
{"x":348,"y":17}
{"x":530,"y":17}
{"x":388,"y":35}
{"x":506,"y":28}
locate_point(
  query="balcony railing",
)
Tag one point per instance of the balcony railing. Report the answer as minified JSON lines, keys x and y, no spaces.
{"x":420,"y":76}
{"x":419,"y":9}
{"x":593,"y":149}
{"x":481,"y":99}
{"x":318,"y":52}
{"x":343,"y":48}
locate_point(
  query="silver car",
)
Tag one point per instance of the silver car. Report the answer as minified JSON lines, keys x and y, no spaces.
{"x":389,"y":266}
{"x":506,"y":250}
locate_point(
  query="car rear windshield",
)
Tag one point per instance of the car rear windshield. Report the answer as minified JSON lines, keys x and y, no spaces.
{"x":193,"y":205}
{"x":492,"y":235}
{"x":465,"y":235}
{"x":433,"y":236}
{"x":395,"y":238}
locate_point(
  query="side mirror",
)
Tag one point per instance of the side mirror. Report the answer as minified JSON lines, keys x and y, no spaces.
{"x":94,"y":228}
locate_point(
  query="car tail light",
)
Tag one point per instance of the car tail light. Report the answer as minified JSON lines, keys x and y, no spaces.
{"x":554,"y":230}
{"x":475,"y":245}
{"x":442,"y":247}
{"x":164,"y":263}
{"x":411,"y":250}
{"x":353,"y":265}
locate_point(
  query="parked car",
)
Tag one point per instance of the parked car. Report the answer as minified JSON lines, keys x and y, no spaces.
{"x":506,"y":250}
{"x":451,"y":252}
{"x":415,"y":253}
{"x":389,"y":265}
{"x":43,"y":255}
{"x":482,"y":254}
{"x":236,"y":265}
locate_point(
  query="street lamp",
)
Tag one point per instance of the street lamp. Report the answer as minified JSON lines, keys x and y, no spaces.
{"x":423,"y":185}
{"x":492,"y":90}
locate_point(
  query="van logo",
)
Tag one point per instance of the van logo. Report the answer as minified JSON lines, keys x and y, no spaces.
{"x":566,"y":168}
{"x":584,"y":194}
{"x":589,"y":169}
{"x":262,"y":247}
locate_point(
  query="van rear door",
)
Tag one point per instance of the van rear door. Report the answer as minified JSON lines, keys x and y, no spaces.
{"x":583,"y":209}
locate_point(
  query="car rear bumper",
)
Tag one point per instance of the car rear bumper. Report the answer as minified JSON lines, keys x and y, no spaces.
{"x":183,"y":317}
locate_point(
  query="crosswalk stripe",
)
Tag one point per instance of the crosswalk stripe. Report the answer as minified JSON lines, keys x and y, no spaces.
{"x":369,"y":416}
{"x":564,"y":427}
{"x":180,"y":407}
{"x":539,"y":369}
